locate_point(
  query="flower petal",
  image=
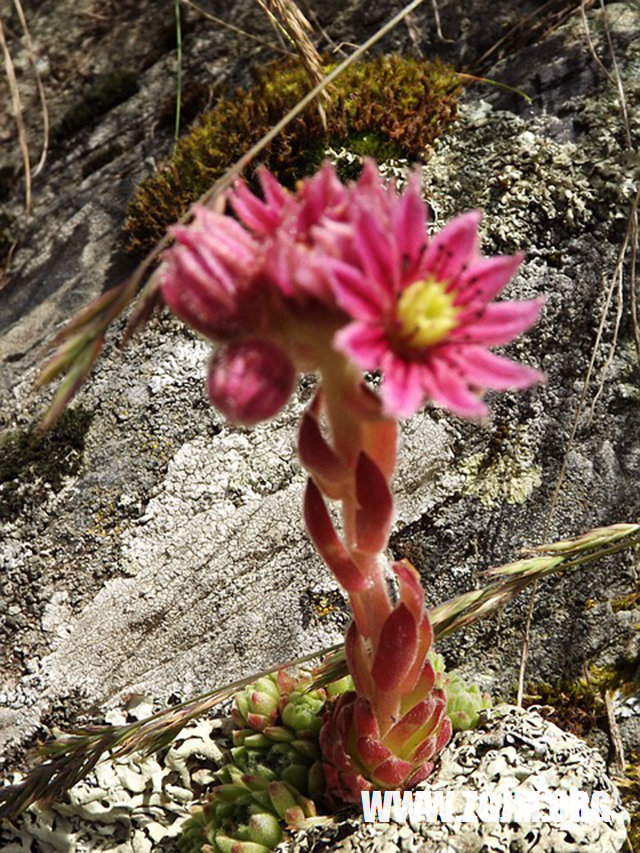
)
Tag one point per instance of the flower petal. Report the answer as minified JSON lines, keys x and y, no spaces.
{"x":409,"y":223}
{"x":402,"y":387}
{"x":483,"y":368}
{"x":447,"y":388}
{"x":452,"y":249}
{"x":499,"y":323}
{"x":274,"y":193}
{"x":260,"y":217}
{"x":363,"y":343}
{"x":486,"y":277}
{"x":378,"y":252}
{"x":355,"y":293}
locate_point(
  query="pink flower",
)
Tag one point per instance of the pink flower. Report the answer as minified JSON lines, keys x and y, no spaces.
{"x":209,"y":275}
{"x":250,"y":381}
{"x":421,"y":309}
{"x":286,"y":225}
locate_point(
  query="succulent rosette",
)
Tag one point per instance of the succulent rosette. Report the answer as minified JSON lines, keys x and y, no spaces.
{"x":278,"y":719}
{"x":464,"y":703}
{"x":245,"y":814}
{"x":388,"y":732}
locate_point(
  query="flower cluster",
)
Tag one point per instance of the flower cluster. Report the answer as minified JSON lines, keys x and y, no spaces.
{"x":298,"y":281}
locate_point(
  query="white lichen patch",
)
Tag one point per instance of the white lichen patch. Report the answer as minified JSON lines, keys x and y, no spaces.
{"x":526,"y":183}
{"x":512,"y":750}
{"x":508,"y":476}
{"x":133,"y":804}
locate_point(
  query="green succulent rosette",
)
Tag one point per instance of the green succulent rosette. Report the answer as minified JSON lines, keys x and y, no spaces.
{"x":275,"y":770}
{"x":464,"y":703}
{"x":245,"y":814}
{"x":277,"y":736}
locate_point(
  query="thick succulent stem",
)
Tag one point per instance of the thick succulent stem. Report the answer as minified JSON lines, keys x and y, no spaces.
{"x":387,"y":732}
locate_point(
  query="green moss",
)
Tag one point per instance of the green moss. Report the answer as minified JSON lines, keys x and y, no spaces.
{"x":107,"y":92}
{"x":31,"y":461}
{"x":578,"y":704}
{"x":631,"y":601}
{"x":390,"y":105}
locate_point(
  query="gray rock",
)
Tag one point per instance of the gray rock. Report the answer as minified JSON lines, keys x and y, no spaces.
{"x":174,"y":558}
{"x":511,"y":753}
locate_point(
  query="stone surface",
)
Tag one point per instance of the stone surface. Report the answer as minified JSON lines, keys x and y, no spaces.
{"x":512,"y":751}
{"x":136,"y":803}
{"x":174,"y":558}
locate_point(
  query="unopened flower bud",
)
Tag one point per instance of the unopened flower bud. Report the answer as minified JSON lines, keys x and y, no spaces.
{"x":250,"y":381}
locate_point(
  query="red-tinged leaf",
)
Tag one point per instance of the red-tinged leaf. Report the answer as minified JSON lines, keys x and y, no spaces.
{"x":411,"y":592}
{"x":375,"y":512}
{"x":257,"y":721}
{"x":293,"y":817}
{"x":371,"y":752}
{"x":281,"y":798}
{"x":400,"y":736}
{"x":444,"y":734}
{"x":423,"y":772}
{"x":379,"y":434}
{"x":285,"y":682}
{"x":358,"y":662}
{"x":432,"y":729}
{"x":326,"y":540}
{"x":364,"y":719}
{"x":396,"y":650}
{"x":317,"y":456}
{"x":426,"y":750}
{"x":392,"y":773}
{"x":331,"y":778}
{"x":422,"y":687}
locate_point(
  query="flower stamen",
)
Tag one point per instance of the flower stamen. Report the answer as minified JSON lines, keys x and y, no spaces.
{"x":426,"y":313}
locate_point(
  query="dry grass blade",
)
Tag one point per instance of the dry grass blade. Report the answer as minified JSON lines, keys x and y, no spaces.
{"x":91,"y":324}
{"x":271,"y":45}
{"x":592,"y":539}
{"x":533,"y":27}
{"x":41,"y":93}
{"x":16,"y":104}
{"x":70,"y":758}
{"x":286,"y":16}
{"x":472,"y":606}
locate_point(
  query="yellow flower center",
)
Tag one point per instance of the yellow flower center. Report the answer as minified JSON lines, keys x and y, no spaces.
{"x":426,"y":313}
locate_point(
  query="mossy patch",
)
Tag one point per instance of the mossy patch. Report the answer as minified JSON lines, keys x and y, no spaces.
{"x":630,"y":601}
{"x":390,"y":105}
{"x":107,"y":92}
{"x":578,"y":705}
{"x":32,"y":462}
